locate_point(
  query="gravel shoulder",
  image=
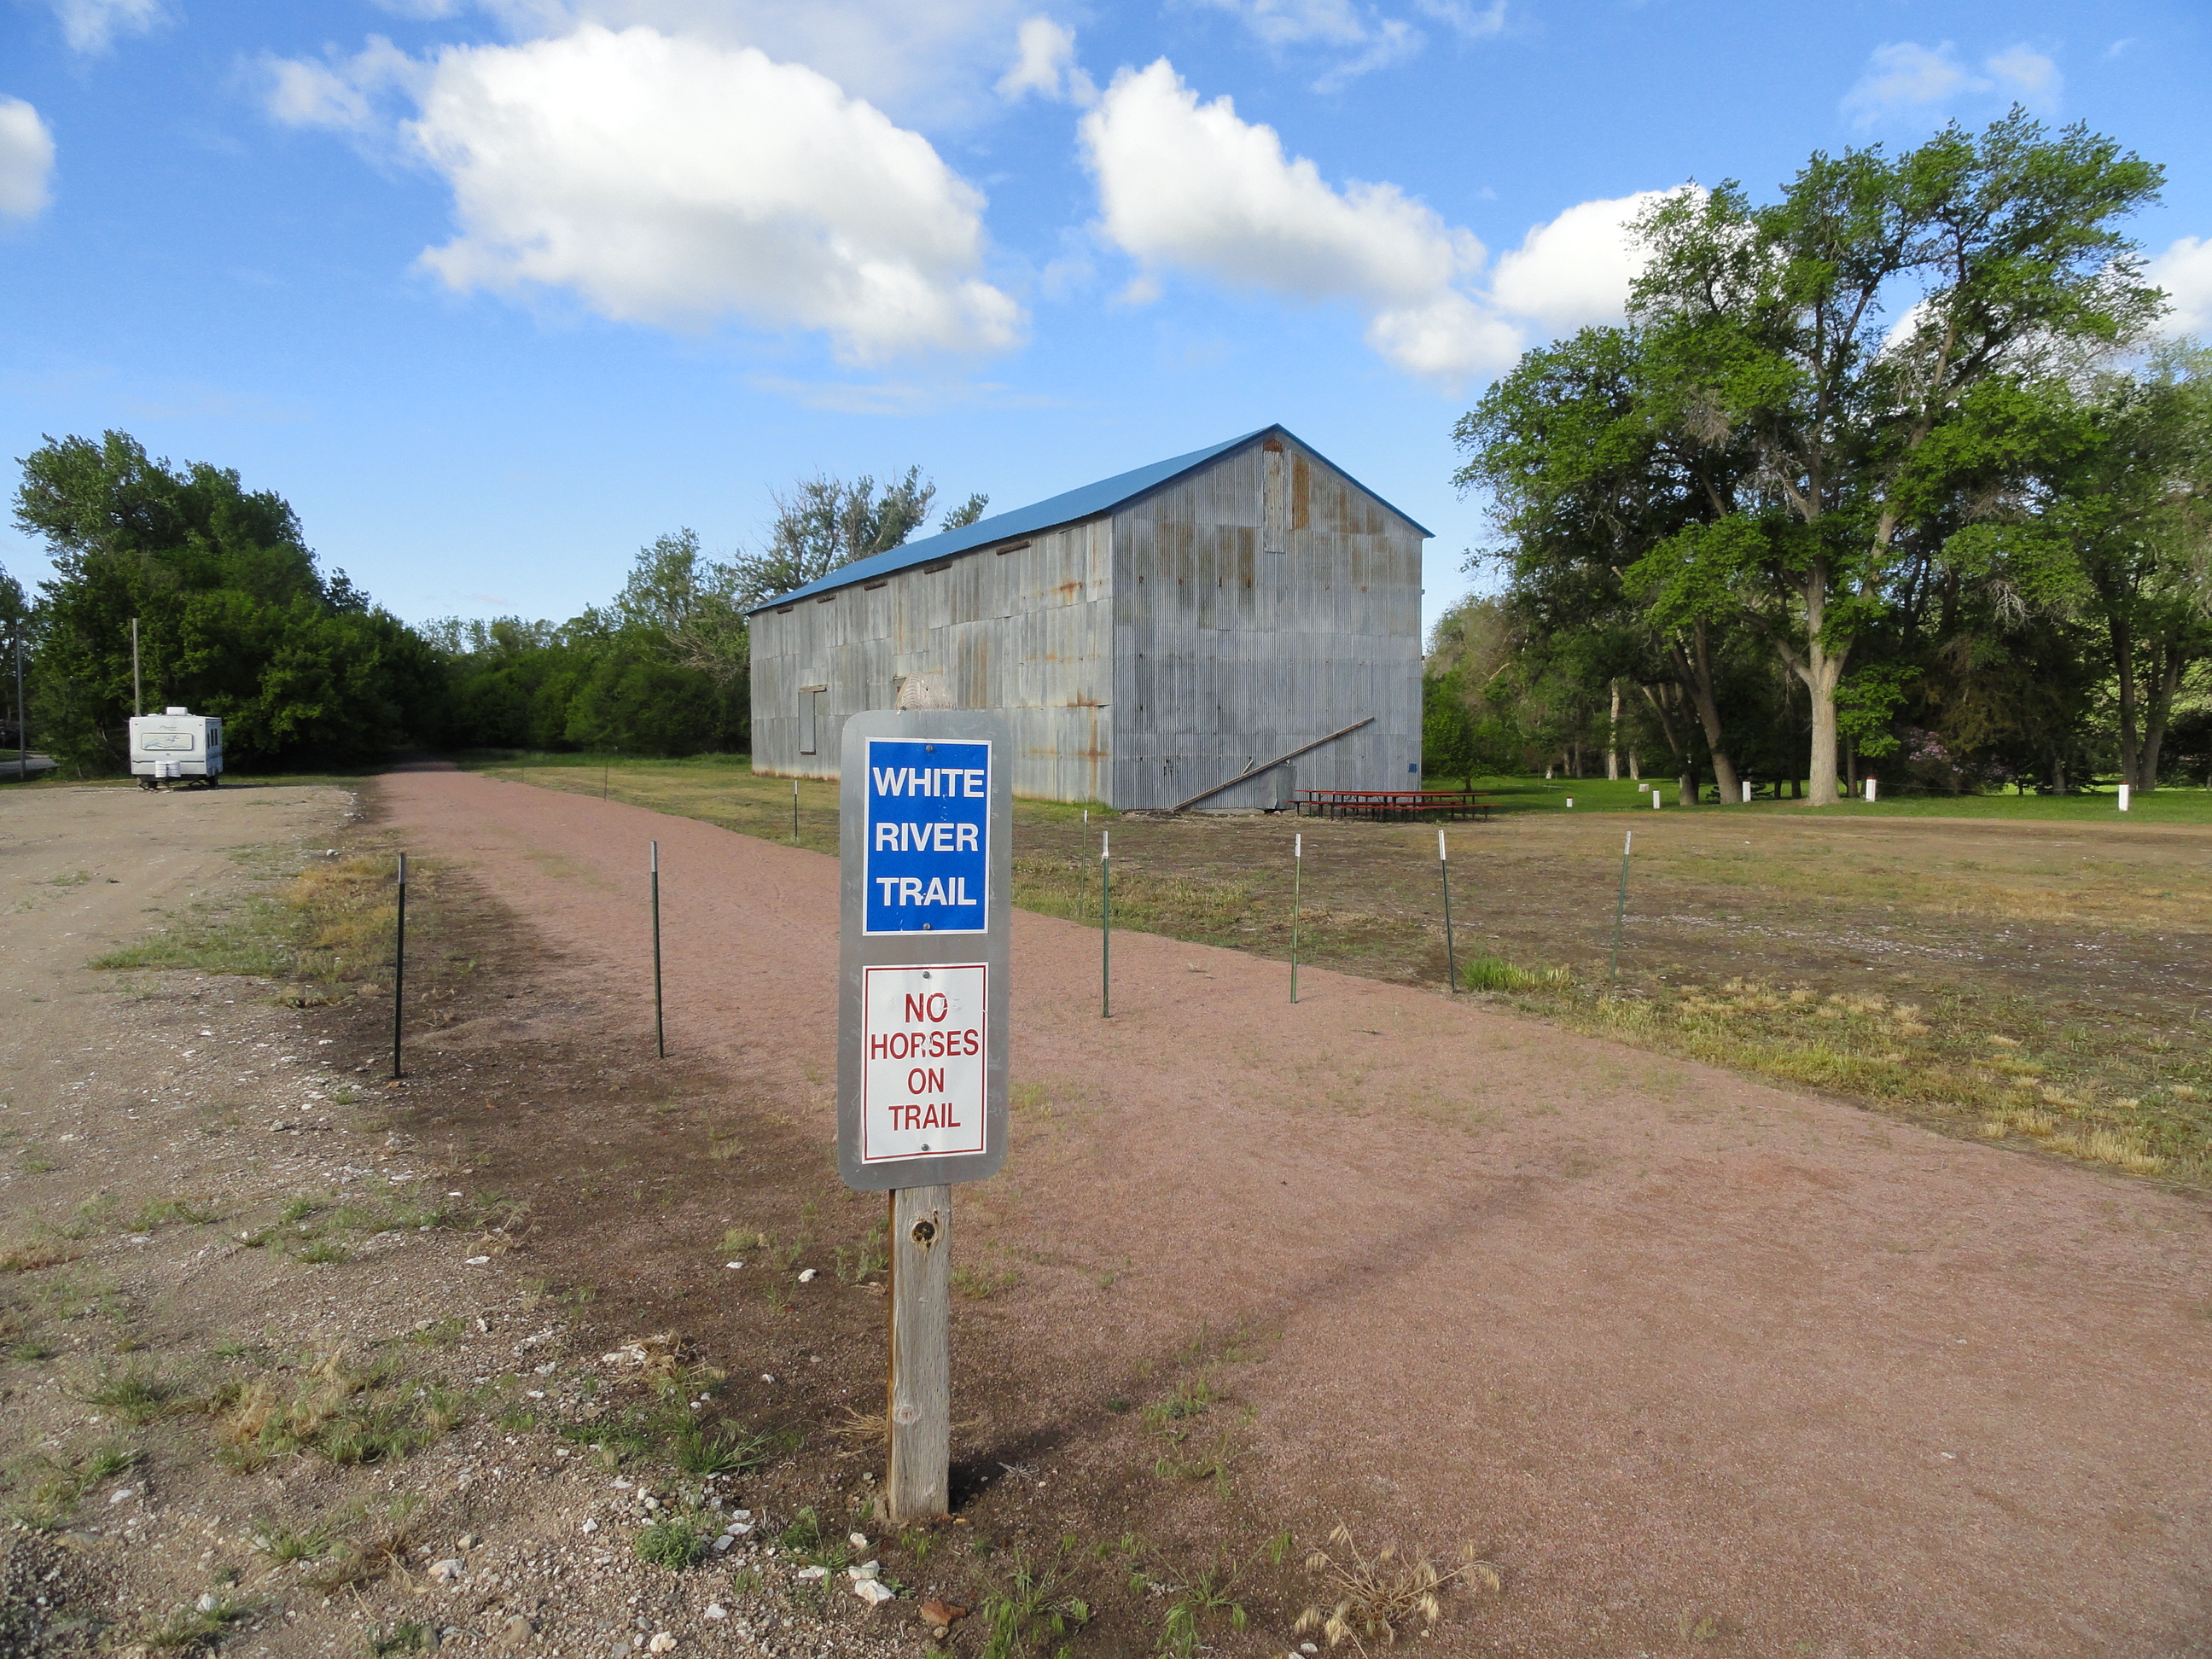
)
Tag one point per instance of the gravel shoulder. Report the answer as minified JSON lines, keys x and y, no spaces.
{"x":274,"y":1364}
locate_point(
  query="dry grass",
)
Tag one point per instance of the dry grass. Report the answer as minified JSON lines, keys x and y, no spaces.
{"x":39,"y":1252}
{"x":329,"y":923}
{"x":1937,"y":1062}
{"x":861,"y":1429}
{"x":366,"y":1548}
{"x":1374,"y":1598}
{"x":347,"y":1415}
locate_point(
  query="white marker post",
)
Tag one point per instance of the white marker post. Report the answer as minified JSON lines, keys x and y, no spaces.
{"x":1655,"y":797}
{"x":1870,"y":789}
{"x":1443,"y":870}
{"x":1746,"y":792}
{"x":2124,"y":798}
{"x":925,"y":865}
{"x":1620,"y":911}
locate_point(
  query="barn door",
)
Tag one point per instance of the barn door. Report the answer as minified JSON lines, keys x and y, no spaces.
{"x":809,"y":704}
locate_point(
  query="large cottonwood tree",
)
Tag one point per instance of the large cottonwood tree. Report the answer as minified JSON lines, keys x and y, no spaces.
{"x":1870,"y":336}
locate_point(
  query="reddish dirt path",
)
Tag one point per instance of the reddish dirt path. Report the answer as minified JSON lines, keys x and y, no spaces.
{"x":1669,"y":1344}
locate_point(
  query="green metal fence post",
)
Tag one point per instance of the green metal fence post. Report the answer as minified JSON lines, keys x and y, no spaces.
{"x":659,"y":1029}
{"x":398,"y":963}
{"x":1104,"y":923}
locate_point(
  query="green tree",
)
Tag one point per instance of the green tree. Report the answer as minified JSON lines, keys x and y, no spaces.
{"x":235,"y":619}
{"x":1869,"y":335}
{"x":690,"y":604}
{"x":966,"y":513}
{"x":823,"y":523}
{"x":1590,"y":467}
{"x":1448,"y":745}
{"x":2132,"y":513}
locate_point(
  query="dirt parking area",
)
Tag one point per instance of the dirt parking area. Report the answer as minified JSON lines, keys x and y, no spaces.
{"x":276,"y":1362}
{"x":1692,"y":1362}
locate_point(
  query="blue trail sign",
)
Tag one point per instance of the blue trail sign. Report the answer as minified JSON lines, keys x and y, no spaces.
{"x":928,"y":868}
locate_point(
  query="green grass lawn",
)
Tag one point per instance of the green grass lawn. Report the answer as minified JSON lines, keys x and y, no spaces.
{"x":2181,"y":805}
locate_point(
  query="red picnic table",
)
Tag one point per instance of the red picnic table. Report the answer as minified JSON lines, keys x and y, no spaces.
{"x":1391,"y":804}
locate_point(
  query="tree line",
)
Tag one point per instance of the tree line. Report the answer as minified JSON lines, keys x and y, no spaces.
{"x":235,"y":616}
{"x":1890,"y":472}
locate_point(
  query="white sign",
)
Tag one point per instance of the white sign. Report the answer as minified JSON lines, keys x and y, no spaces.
{"x":925,"y":1036}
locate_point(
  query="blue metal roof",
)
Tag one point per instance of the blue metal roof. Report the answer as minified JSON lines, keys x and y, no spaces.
{"x":1086,"y":502}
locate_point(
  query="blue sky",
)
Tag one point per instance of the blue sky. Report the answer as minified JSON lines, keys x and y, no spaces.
{"x":494,"y":293}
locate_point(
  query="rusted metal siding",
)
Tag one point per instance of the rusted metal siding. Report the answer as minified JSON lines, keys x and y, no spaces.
{"x":1226,"y":655}
{"x":1025,"y":634}
{"x":1140,"y":658}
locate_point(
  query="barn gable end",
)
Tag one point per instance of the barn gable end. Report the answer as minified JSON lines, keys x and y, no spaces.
{"x":1261,"y":603}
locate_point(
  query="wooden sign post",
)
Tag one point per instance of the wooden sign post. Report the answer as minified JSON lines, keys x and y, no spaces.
{"x":927,"y":868}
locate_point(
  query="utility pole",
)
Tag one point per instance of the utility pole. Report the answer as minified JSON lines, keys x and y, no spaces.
{"x":137,"y":697}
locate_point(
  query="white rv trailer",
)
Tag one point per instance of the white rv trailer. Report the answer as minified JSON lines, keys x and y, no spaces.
{"x":173,"y":746}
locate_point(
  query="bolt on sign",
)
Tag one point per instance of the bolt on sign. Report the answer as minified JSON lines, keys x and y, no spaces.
{"x":927,"y":868}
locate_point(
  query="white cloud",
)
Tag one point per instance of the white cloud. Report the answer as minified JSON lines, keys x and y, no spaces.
{"x":1296,"y":22}
{"x":1045,"y":63}
{"x":2026,"y":73}
{"x":1342,"y":24}
{"x":339,"y":93}
{"x":1393,"y":40}
{"x":1193,"y":187}
{"x":666,"y":180}
{"x":1450,"y":339}
{"x":1905,"y":74}
{"x":1190,"y":186}
{"x":26,"y":160}
{"x":2185,"y":271}
{"x":916,"y":57}
{"x":1576,"y":270}
{"x":91,"y":26}
{"x":1904,"y":77}
{"x":1464,"y":19}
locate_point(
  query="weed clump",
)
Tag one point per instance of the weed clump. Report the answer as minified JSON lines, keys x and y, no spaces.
{"x":196,"y":1628}
{"x":50,"y":1488}
{"x":1496,"y":974}
{"x":1369,"y":1597}
{"x":347,"y":1416}
{"x":676,"y":1538}
{"x":1033,"y":1607}
{"x":138,"y":1393}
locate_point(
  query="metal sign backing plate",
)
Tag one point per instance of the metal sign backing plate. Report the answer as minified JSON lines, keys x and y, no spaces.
{"x":925,"y":865}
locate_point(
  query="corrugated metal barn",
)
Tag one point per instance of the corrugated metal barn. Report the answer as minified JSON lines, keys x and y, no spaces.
{"x":1146,"y":637}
